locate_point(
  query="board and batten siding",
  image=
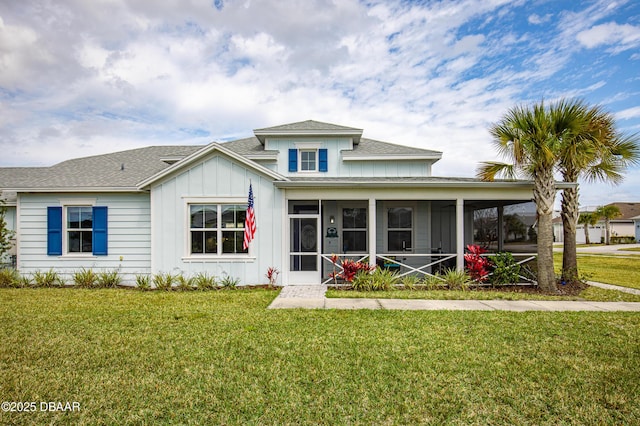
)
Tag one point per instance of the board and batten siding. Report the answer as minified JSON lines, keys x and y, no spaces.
{"x":129,"y":235}
{"x":217,"y":177}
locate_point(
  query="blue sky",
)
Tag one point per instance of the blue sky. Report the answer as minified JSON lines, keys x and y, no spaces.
{"x":79,"y":78}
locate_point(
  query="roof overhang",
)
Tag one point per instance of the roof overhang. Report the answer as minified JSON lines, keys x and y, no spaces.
{"x":262,"y":134}
{"x":407,"y":157}
{"x":411,"y":184}
{"x":75,"y":189}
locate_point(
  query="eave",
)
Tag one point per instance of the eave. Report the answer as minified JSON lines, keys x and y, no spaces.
{"x":407,"y":157}
{"x":356,"y":134}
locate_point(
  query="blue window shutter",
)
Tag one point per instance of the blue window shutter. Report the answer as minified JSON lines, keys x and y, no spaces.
{"x":293,"y":160}
{"x":54,"y":231}
{"x":322,"y":156}
{"x":100,"y":231}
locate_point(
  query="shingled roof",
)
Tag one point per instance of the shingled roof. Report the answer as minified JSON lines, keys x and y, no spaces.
{"x":308,"y":125}
{"x":124,"y":170}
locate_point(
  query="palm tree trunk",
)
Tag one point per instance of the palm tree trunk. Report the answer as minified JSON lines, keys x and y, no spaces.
{"x":569,"y":215}
{"x":607,"y":231}
{"x":544,"y":193}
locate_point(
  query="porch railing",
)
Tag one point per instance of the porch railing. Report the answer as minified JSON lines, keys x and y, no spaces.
{"x":435,"y":263}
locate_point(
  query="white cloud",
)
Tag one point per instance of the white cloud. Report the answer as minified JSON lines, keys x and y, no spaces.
{"x":536,"y":19}
{"x":629,"y":113}
{"x":620,"y":37}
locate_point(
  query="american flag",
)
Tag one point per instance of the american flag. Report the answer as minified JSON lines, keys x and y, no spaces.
{"x":249,"y":222}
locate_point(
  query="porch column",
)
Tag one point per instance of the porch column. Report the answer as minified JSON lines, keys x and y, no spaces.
{"x":372,"y":231}
{"x":501,"y":228}
{"x":460,"y":234}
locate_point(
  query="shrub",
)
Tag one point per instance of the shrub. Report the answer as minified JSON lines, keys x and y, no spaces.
{"x":433,"y":282}
{"x":25,"y":281}
{"x":379,"y":279}
{"x":143,"y":282}
{"x":204,"y":281}
{"x":185,"y":283}
{"x":109,"y":279}
{"x":9,"y":277}
{"x":229,"y":282}
{"x":456,"y":280}
{"x":47,"y":279}
{"x":84,"y":278}
{"x":383,"y":279}
{"x":163,"y":281}
{"x":361,"y":282}
{"x":505,"y":269}
{"x":350,"y":269}
{"x":476,"y":264}
{"x":410,"y":282}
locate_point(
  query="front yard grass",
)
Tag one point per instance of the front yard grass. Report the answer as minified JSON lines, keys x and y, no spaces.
{"x":609,"y":269}
{"x":223,"y":358}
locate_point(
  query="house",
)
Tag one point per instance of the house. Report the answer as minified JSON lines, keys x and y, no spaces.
{"x":319,"y":189}
{"x":636,"y":222}
{"x":622,"y":226}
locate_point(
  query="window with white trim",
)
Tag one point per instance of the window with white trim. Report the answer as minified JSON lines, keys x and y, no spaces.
{"x":308,"y":160}
{"x":79,"y":231}
{"x":216,"y":229}
{"x":399,"y":229}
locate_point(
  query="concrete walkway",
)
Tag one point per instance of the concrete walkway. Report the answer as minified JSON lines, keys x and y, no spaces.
{"x":313,"y":297}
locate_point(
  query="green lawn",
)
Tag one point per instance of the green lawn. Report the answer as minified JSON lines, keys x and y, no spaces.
{"x":591,"y":293}
{"x":612,"y":269}
{"x":221,"y":358}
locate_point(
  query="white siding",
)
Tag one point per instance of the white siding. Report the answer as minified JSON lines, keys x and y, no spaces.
{"x":215,"y":177}
{"x":129,"y":237}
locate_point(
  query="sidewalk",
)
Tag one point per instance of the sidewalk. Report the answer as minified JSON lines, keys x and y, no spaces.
{"x":313,"y":297}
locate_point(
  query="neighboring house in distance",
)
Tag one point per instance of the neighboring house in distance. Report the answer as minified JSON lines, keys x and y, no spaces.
{"x":622,"y":226}
{"x":319,"y":189}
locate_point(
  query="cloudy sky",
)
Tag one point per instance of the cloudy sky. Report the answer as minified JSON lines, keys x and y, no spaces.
{"x":81,"y":77}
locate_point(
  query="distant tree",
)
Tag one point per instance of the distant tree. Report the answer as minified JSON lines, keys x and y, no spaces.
{"x":587,"y":219}
{"x":6,"y":235}
{"x":607,"y":213}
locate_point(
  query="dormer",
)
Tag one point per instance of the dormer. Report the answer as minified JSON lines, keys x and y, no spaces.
{"x":308,"y":148}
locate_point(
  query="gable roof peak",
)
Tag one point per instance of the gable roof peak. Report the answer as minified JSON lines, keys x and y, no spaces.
{"x":308,"y":128}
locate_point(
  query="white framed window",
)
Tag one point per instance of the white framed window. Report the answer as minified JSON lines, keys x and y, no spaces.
{"x":308,"y":160}
{"x":79,"y":230}
{"x":354,"y":229}
{"x":399,"y":232}
{"x":216,"y":229}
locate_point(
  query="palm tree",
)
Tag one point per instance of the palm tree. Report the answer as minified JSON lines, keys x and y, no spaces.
{"x":591,"y":149}
{"x":587,"y":219}
{"x":607,"y":212}
{"x":529,"y":137}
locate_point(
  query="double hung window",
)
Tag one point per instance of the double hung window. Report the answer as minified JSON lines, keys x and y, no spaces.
{"x":216,"y":229}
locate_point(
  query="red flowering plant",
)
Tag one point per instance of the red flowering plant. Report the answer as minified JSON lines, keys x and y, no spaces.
{"x":272,"y":275}
{"x":349,"y":268}
{"x":476,"y":264}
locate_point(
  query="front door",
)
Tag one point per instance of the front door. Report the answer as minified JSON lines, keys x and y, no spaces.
{"x":304,"y":249}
